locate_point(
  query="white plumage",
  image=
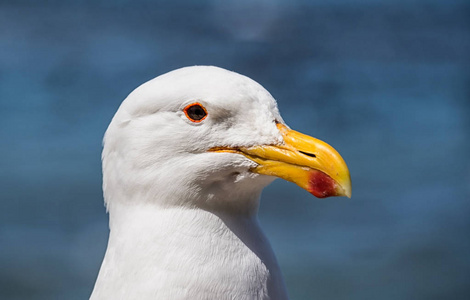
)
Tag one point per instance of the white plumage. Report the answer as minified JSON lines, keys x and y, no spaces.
{"x":183,"y":221}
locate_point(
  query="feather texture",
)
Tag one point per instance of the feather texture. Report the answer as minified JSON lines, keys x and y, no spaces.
{"x":183,"y":221}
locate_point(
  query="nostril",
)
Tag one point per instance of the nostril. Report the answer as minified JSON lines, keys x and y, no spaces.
{"x":308,"y":154}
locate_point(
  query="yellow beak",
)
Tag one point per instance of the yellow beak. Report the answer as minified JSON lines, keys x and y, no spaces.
{"x":306,"y":161}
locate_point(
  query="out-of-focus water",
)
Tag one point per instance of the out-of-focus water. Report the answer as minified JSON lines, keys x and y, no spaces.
{"x":386,"y":83}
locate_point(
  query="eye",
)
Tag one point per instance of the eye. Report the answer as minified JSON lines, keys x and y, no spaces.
{"x":195,"y":112}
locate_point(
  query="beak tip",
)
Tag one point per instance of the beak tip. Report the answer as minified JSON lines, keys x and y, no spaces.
{"x":321,"y":185}
{"x":346,"y":187}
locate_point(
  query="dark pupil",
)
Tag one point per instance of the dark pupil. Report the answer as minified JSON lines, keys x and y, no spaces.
{"x":196,"y":112}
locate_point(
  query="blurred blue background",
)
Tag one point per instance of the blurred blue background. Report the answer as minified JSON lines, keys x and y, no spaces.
{"x":387,"y":83}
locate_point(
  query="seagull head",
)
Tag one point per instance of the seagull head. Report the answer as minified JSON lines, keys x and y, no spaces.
{"x":210,"y":138}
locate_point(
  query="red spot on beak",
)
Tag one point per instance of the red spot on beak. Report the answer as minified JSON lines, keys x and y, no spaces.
{"x":321,"y":185}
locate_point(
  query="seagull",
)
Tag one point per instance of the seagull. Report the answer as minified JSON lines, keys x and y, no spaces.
{"x":185,"y":159}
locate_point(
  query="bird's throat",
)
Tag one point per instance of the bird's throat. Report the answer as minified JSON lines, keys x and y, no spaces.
{"x":174,"y":247}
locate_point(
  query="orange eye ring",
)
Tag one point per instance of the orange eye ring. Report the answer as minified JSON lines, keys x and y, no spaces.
{"x":195,"y":112}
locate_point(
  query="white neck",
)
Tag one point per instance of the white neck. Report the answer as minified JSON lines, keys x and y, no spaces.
{"x":184,"y":253}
